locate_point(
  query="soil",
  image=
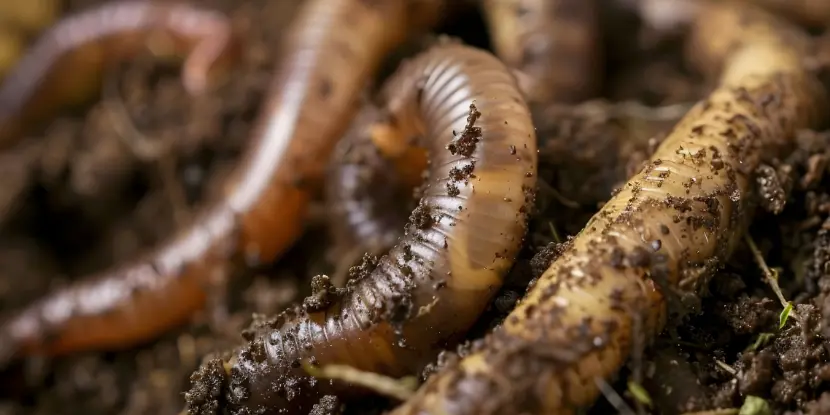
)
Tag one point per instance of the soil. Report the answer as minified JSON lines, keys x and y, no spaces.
{"x":84,"y":193}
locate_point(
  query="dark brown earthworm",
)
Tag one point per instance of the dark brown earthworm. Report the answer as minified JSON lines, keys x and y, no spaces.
{"x":463,"y":106}
{"x":332,"y":50}
{"x":66,"y":62}
{"x":671,"y":225}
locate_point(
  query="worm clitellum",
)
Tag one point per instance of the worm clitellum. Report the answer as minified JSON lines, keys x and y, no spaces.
{"x":674,"y":222}
{"x":67,"y":61}
{"x":462,"y":105}
{"x":333,"y":48}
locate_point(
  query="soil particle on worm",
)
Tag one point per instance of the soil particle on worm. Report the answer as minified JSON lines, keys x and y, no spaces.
{"x":86,"y":180}
{"x":323,"y":293}
{"x":465,"y":143}
{"x":206,"y":394}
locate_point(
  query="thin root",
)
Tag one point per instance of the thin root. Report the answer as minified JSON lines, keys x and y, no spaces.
{"x":400,"y":389}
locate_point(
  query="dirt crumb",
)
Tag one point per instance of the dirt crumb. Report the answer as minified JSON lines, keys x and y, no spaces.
{"x":204,"y":396}
{"x":465,"y":144}
{"x":421,"y":217}
{"x":773,"y":188}
{"x":323,"y":294}
{"x":542,"y":260}
{"x":749,"y":315}
{"x":329,"y":405}
{"x":756,"y":377}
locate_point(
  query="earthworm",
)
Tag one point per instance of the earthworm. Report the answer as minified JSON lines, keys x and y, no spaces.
{"x":462,"y":105}
{"x":669,"y":227}
{"x":331,"y":50}
{"x":554,"y":45}
{"x":367,"y":206}
{"x":83,"y":44}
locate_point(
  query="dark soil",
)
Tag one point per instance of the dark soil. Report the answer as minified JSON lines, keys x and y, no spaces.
{"x":81,"y":195}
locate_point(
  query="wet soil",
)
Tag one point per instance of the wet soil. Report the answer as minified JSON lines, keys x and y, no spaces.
{"x":99,"y":186}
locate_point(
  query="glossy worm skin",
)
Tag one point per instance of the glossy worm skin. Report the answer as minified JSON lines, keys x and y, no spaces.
{"x":554,"y":44}
{"x":367,"y":205}
{"x":463,"y":105}
{"x":67,"y":62}
{"x":332,"y":49}
{"x":672,"y":224}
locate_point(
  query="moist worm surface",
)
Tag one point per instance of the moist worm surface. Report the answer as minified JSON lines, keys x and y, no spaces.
{"x":463,"y":106}
{"x":554,"y":48}
{"x":670,"y":226}
{"x":367,"y":205}
{"x":333,"y":48}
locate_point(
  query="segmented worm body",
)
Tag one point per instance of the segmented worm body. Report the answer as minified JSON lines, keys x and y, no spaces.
{"x":67,"y":61}
{"x":672,"y":224}
{"x":367,"y":205}
{"x":333,"y":48}
{"x":463,"y":106}
{"x":554,"y":45}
